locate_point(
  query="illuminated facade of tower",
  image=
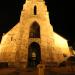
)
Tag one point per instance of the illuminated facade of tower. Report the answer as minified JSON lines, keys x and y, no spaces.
{"x":33,"y":38}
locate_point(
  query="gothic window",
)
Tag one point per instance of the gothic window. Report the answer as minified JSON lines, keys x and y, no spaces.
{"x":34,"y":31}
{"x":35,"y":10}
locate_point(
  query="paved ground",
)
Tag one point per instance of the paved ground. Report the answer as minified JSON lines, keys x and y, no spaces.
{"x":7,"y":71}
{"x":13,"y":71}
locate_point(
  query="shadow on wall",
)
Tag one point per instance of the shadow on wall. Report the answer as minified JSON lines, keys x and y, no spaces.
{"x":3,"y":64}
{"x":70,"y":61}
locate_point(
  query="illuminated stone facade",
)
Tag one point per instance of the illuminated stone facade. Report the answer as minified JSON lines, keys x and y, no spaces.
{"x":33,"y":29}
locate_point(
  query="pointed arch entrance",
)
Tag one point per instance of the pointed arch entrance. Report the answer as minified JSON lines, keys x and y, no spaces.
{"x":34,"y":54}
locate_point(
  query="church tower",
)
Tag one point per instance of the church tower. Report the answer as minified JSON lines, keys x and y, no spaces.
{"x":33,"y":40}
{"x":35,"y":29}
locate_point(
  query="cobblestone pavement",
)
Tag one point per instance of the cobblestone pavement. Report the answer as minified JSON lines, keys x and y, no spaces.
{"x":13,"y":71}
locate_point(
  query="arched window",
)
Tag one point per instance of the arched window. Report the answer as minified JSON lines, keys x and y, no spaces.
{"x":35,"y":10}
{"x":34,"y":31}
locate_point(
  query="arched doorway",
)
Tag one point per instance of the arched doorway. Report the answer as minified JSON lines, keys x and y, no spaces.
{"x":34,"y":54}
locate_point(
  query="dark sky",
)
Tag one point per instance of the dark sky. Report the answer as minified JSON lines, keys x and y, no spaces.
{"x":62,"y":16}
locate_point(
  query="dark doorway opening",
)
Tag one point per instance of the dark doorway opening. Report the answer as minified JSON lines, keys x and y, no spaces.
{"x":34,"y":55}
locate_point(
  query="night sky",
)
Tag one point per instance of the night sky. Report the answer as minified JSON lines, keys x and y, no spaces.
{"x":61,"y":13}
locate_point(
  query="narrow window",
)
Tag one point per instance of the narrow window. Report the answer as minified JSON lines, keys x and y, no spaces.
{"x":11,"y":38}
{"x":35,"y":10}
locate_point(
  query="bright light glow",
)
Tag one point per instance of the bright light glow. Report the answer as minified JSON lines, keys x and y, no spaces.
{"x":61,"y":44}
{"x":60,"y":41}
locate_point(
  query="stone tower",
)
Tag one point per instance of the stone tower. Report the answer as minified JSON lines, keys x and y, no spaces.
{"x":33,"y":40}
